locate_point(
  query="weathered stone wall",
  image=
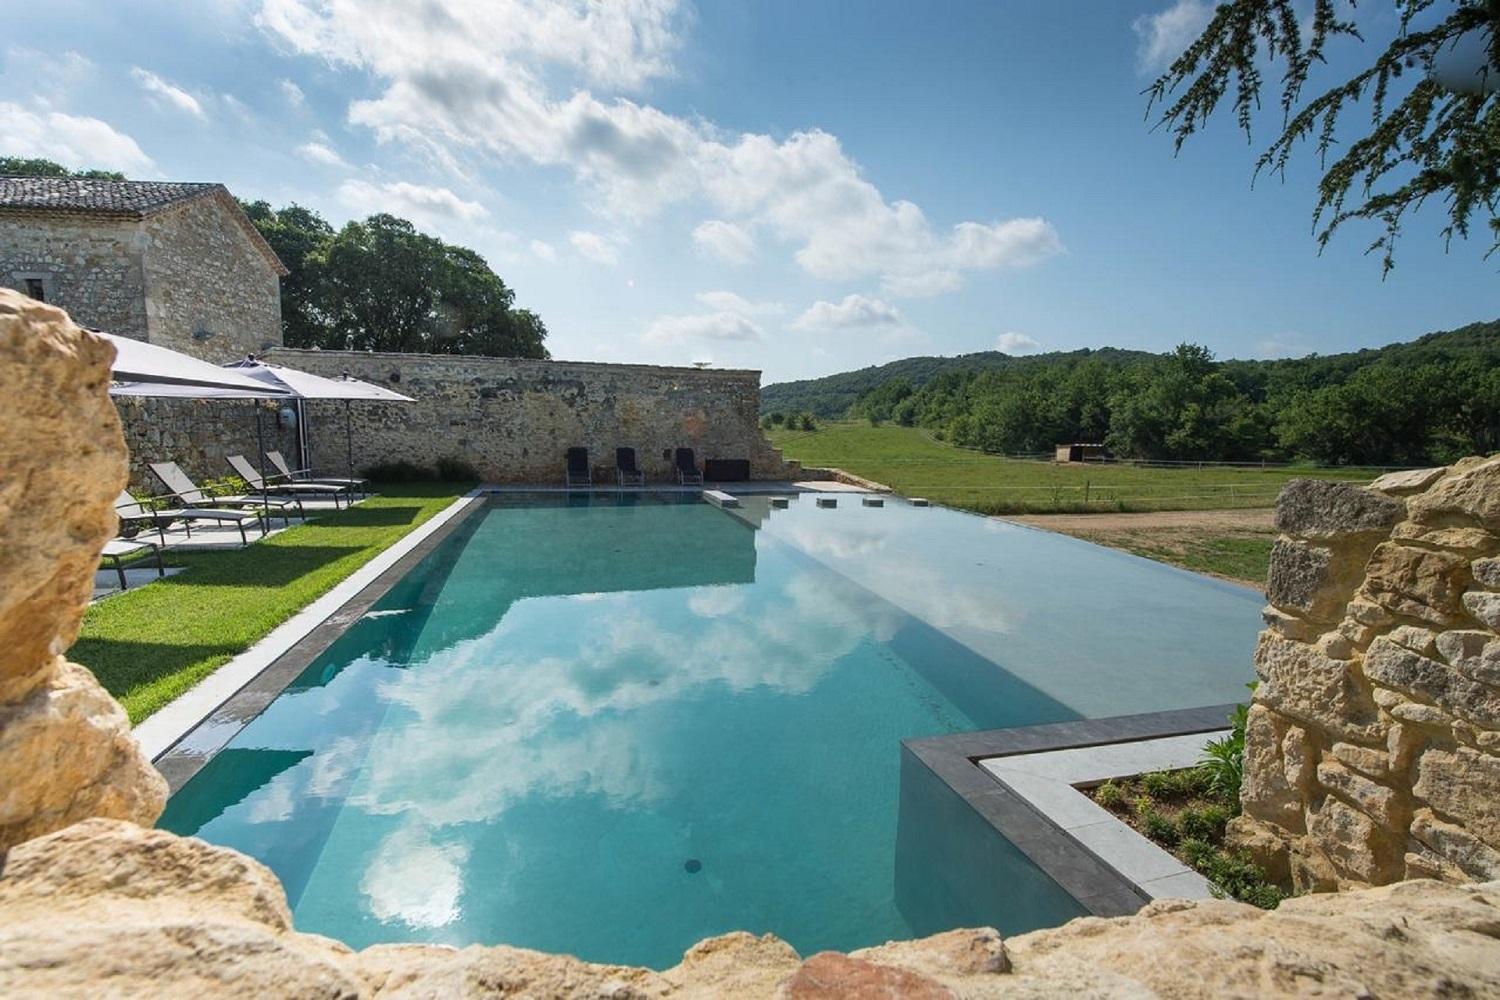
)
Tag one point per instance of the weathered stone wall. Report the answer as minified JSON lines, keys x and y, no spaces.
{"x":210,"y":292}
{"x":91,"y":267}
{"x":199,"y":435}
{"x":1373,"y":745}
{"x":514,"y":419}
{"x":66,"y":753}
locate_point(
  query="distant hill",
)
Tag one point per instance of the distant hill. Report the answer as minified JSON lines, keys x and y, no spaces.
{"x":832,"y":395}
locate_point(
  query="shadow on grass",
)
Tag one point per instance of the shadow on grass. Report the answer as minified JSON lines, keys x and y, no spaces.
{"x":368,"y":517}
{"x":267,"y":566}
{"x":121,"y":664}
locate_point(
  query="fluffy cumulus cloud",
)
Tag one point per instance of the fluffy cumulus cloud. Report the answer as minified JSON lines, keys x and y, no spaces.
{"x":72,"y":140}
{"x":593,"y":247}
{"x":699,"y":327}
{"x":168,"y":94}
{"x":1017,"y":343}
{"x":484,"y":78}
{"x":855,"y":311}
{"x":434,"y":208}
{"x":319,"y":152}
{"x":293,"y":93}
{"x":732,"y":302}
{"x":725,"y":241}
{"x":543,"y":250}
{"x":1165,"y":35}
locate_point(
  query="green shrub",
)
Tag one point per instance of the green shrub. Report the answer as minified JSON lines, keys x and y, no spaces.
{"x":1224,"y":759}
{"x":1160,"y":784}
{"x":1197,"y":853}
{"x":766,"y":423}
{"x":227,"y":485}
{"x":452,"y":469}
{"x":1160,"y":828}
{"x":1236,"y":875}
{"x":397,"y":472}
{"x":1142,"y":806}
{"x":777,"y":418}
{"x":805,"y":422}
{"x":1109,"y":795}
{"x":1206,"y":823}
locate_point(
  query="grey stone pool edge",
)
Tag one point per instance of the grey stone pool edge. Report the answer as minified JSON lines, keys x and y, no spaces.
{"x":957,"y":761}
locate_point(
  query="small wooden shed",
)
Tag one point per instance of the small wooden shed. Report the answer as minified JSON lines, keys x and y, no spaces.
{"x":1080,"y":453}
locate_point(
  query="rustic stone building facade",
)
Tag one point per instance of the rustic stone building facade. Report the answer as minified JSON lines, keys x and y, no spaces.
{"x":513,"y":418}
{"x":1372,"y":752}
{"x":173,"y":264}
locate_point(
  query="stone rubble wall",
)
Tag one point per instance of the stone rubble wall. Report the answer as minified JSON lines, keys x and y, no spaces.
{"x":513,"y":419}
{"x":66,"y":752}
{"x":94,"y":903}
{"x":91,"y":267}
{"x":199,"y":435}
{"x":1373,"y":744}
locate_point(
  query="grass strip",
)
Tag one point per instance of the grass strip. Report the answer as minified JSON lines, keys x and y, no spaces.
{"x":151,"y":643}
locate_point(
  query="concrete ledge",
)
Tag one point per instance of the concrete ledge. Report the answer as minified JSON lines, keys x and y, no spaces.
{"x":958,"y":761}
{"x":720,"y":498}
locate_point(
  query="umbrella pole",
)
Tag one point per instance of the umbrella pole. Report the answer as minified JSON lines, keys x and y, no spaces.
{"x":349,"y":437}
{"x":260,"y":449}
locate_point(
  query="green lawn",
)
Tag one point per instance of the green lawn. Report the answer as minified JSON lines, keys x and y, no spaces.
{"x":150,"y":644}
{"x":1236,"y":557}
{"x":911,"y":462}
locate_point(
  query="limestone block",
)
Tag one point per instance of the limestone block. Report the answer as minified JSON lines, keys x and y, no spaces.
{"x":1471,"y":541}
{"x":952,"y":953}
{"x":1323,"y":509}
{"x":1360,"y":848}
{"x":1312,"y":581}
{"x":1418,"y":640}
{"x":831,"y":976}
{"x":1299,"y":758}
{"x":1484,"y":606}
{"x":1487,"y":572}
{"x":1302,"y":683}
{"x":1289,"y":625}
{"x":1432,"y":681}
{"x":1266,"y":793}
{"x":1268,"y":846}
{"x":1456,"y":845}
{"x":1409,"y":481}
{"x":1418,"y":583}
{"x":1369,"y":613}
{"x":63,"y":463}
{"x":1476,"y":654}
{"x":1464,"y":786}
{"x":1375,"y":763}
{"x":1471,"y":490}
{"x":1375,"y":800}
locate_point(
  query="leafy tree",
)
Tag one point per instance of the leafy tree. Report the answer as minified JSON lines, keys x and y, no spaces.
{"x":22,"y":166}
{"x":298,"y":235}
{"x":1423,"y":142}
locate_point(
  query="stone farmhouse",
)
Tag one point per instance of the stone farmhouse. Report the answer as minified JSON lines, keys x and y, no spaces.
{"x":171,"y":263}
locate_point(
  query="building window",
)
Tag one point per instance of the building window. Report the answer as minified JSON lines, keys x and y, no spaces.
{"x":37,"y":289}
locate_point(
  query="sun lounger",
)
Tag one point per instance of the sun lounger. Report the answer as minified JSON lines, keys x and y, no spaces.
{"x":132,"y":510}
{"x":194,"y":497}
{"x":577,"y":470}
{"x":286,"y":472}
{"x":295,"y":492}
{"x":687,"y":468}
{"x":117,"y":548}
{"x":627,"y":473}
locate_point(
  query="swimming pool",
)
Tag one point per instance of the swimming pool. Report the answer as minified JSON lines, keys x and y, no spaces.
{"x":612,"y":725}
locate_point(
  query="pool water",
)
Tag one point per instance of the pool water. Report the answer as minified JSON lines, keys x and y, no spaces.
{"x":614,"y":725}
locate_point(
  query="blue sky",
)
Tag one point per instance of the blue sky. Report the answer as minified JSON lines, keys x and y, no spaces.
{"x":797,"y":187}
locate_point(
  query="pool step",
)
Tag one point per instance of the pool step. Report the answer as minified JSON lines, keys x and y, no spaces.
{"x":919,"y":502}
{"x":828,"y":501}
{"x":873,"y":501}
{"x":781,"y":503}
{"x":721,"y":498}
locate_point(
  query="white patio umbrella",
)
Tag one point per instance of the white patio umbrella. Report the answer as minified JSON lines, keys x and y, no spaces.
{"x":305,"y":385}
{"x":142,"y":369}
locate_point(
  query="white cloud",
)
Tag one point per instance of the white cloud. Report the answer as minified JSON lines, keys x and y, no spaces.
{"x":1165,"y":35}
{"x":293,"y":93}
{"x":487,"y":79}
{"x":722,"y":326}
{"x":853,"y":311}
{"x":1285,"y":344}
{"x":321,"y":154}
{"x":434,"y":208}
{"x":593,"y":247}
{"x":168,"y":93}
{"x":730,"y":302}
{"x":71,"y":140}
{"x":1017,"y":343}
{"x":725,"y":240}
{"x":543,"y":250}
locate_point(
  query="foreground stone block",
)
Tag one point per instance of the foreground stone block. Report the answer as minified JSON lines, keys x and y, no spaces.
{"x":1321,"y":509}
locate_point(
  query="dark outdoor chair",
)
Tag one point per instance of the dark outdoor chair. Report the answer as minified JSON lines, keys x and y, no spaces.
{"x":117,"y":548}
{"x":627,"y":473}
{"x":133,"y":512}
{"x":577,"y":473}
{"x":293,"y":492}
{"x":199,"y":505}
{"x":688,"y":472}
{"x":285,"y":472}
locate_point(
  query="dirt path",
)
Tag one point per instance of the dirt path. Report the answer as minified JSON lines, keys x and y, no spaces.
{"x":1229,"y":544}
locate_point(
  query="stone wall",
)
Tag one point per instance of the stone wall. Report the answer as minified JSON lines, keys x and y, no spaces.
{"x":92,"y":267}
{"x":210,"y":291}
{"x":513,"y":419}
{"x":1373,"y":745}
{"x":199,"y":435}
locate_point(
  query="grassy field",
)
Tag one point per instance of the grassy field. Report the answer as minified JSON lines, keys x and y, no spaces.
{"x":150,"y":644}
{"x":911,"y":462}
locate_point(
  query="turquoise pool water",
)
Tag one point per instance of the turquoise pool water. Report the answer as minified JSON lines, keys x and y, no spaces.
{"x":614,"y":726}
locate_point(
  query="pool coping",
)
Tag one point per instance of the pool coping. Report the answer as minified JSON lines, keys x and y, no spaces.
{"x":230,"y":697}
{"x":958,"y":760}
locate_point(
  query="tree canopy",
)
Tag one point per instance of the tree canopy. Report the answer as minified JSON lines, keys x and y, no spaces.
{"x":1423,"y":141}
{"x":23,"y":166}
{"x":380,"y":285}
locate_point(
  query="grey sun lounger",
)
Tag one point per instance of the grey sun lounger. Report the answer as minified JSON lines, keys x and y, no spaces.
{"x":577,"y":471}
{"x":193,"y":496}
{"x":293,"y":492}
{"x":131,"y":509}
{"x":686,"y":464}
{"x":627,"y":473}
{"x":285,"y":471}
{"x":117,"y":548}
